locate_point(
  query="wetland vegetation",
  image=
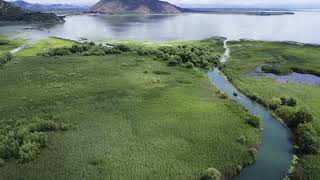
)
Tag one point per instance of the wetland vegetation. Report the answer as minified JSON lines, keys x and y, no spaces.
{"x":122,"y":114}
{"x":296,"y":104}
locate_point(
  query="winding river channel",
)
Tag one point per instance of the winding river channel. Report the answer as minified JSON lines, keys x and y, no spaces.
{"x":276,"y":150}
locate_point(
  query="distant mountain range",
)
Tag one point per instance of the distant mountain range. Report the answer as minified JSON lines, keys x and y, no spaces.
{"x":46,"y":7}
{"x":135,"y":7}
{"x":11,"y":13}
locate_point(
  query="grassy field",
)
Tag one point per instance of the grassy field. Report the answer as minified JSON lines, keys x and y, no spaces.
{"x":44,"y":45}
{"x":247,"y":55}
{"x":9,"y":44}
{"x":130,"y":121}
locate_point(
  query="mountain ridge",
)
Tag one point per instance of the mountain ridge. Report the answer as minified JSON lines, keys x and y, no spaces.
{"x":46,"y":7}
{"x":134,"y":7}
{"x":9,"y":12}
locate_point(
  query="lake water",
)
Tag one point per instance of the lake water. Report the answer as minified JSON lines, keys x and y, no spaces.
{"x":301,"y":27}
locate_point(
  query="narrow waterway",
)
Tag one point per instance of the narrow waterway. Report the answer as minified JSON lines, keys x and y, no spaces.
{"x":276,"y":150}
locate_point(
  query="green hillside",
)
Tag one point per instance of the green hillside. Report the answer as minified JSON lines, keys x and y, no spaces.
{"x":8,"y":12}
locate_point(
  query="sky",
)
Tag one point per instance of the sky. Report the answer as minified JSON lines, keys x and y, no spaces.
{"x":268,"y":3}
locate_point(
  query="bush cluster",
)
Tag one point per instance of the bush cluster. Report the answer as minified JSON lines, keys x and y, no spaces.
{"x":210,"y":174}
{"x":276,"y":69}
{"x":283,"y":101}
{"x":307,"y":139}
{"x":85,"y":50}
{"x":293,"y":118}
{"x":24,"y":138}
{"x":299,"y":121}
{"x":4,"y":42}
{"x":274,"y":104}
{"x":254,"y":122}
{"x":5,"y":58}
{"x":289,"y":101}
{"x":186,"y":55}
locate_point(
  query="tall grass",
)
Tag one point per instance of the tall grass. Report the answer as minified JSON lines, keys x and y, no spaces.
{"x":129,"y":124}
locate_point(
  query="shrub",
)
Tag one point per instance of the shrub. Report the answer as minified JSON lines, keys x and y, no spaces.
{"x":213,"y":59}
{"x":172,"y":62}
{"x":29,"y":151}
{"x":22,"y":138}
{"x":159,"y":54}
{"x":205,"y":64}
{"x":76,"y":48}
{"x":242,"y":139}
{"x":43,"y":125}
{"x":9,"y":146}
{"x":143,"y":51}
{"x":65,"y":127}
{"x":5,"y":58}
{"x":95,"y":51}
{"x":58,"y":52}
{"x":223,"y":96}
{"x":189,"y":65}
{"x":210,"y":174}
{"x":253,"y":153}
{"x":254,"y":122}
{"x":276,"y":69}
{"x":161,"y":72}
{"x":4,"y":42}
{"x":122,"y":47}
{"x":186,"y":56}
{"x":307,"y":139}
{"x":166,"y":57}
{"x":1,"y":162}
{"x":176,"y":58}
{"x":291,"y":101}
{"x":285,"y":113}
{"x":95,"y":162}
{"x":111,"y":51}
{"x":301,"y":116}
{"x":37,"y":137}
{"x":254,"y":96}
{"x":168,"y":50}
{"x":274,"y":104}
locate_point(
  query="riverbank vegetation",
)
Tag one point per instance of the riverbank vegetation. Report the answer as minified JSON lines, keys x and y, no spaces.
{"x":7,"y":44}
{"x":296,"y":104}
{"x":201,"y":54}
{"x":127,"y":116}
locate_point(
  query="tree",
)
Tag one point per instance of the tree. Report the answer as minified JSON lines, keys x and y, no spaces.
{"x":189,"y":65}
{"x":172,"y":62}
{"x":210,"y":174}
{"x":290,"y":101}
{"x":307,"y":139}
{"x":299,"y":117}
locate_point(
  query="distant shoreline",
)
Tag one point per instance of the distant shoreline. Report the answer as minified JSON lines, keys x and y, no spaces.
{"x":257,"y":12}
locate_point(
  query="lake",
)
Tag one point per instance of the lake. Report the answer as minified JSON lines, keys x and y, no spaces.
{"x":301,"y":27}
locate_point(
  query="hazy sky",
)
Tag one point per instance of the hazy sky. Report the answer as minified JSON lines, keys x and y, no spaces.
{"x":229,"y":2}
